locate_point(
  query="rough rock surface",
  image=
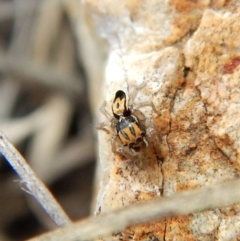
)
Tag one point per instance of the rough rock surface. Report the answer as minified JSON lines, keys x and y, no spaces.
{"x":187,"y":52}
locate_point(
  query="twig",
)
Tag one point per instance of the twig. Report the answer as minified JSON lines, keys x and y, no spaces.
{"x":75,"y":153}
{"x":187,"y":202}
{"x":6,"y":11}
{"x":33,"y":184}
{"x":47,"y":24}
{"x":9,"y":92}
{"x":45,"y":75}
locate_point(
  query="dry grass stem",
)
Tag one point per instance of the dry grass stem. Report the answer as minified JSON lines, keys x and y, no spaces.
{"x":209,"y":197}
{"x":47,"y":76}
{"x":34,"y":186}
{"x":6,"y":11}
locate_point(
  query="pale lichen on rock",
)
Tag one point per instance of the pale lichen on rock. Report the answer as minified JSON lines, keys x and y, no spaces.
{"x":189,"y":56}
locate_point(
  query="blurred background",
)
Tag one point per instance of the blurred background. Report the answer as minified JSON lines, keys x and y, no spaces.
{"x":51,"y":63}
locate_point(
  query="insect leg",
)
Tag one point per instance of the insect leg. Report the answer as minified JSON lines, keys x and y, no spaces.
{"x":134,"y":92}
{"x":103,"y":126}
{"x":146,"y":103}
{"x":119,"y":149}
{"x":105,"y":112}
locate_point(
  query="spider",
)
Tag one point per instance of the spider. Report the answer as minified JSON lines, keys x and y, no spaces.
{"x":128,"y":127}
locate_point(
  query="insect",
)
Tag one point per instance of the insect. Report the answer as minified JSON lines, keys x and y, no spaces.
{"x":127,"y":122}
{"x":128,"y":127}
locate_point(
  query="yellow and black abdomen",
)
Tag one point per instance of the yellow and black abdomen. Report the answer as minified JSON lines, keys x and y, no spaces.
{"x":129,"y":132}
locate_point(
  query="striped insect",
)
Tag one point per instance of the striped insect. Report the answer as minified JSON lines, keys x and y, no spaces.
{"x":128,"y":122}
{"x":128,"y":128}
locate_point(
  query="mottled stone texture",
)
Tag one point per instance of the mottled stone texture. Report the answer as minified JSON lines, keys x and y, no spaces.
{"x":188,"y":52}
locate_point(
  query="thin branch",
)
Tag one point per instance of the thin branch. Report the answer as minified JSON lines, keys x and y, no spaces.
{"x":9,"y":91}
{"x":45,"y":75}
{"x":34,"y":186}
{"x":78,"y":152}
{"x":6,"y":11}
{"x":184,"y":203}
